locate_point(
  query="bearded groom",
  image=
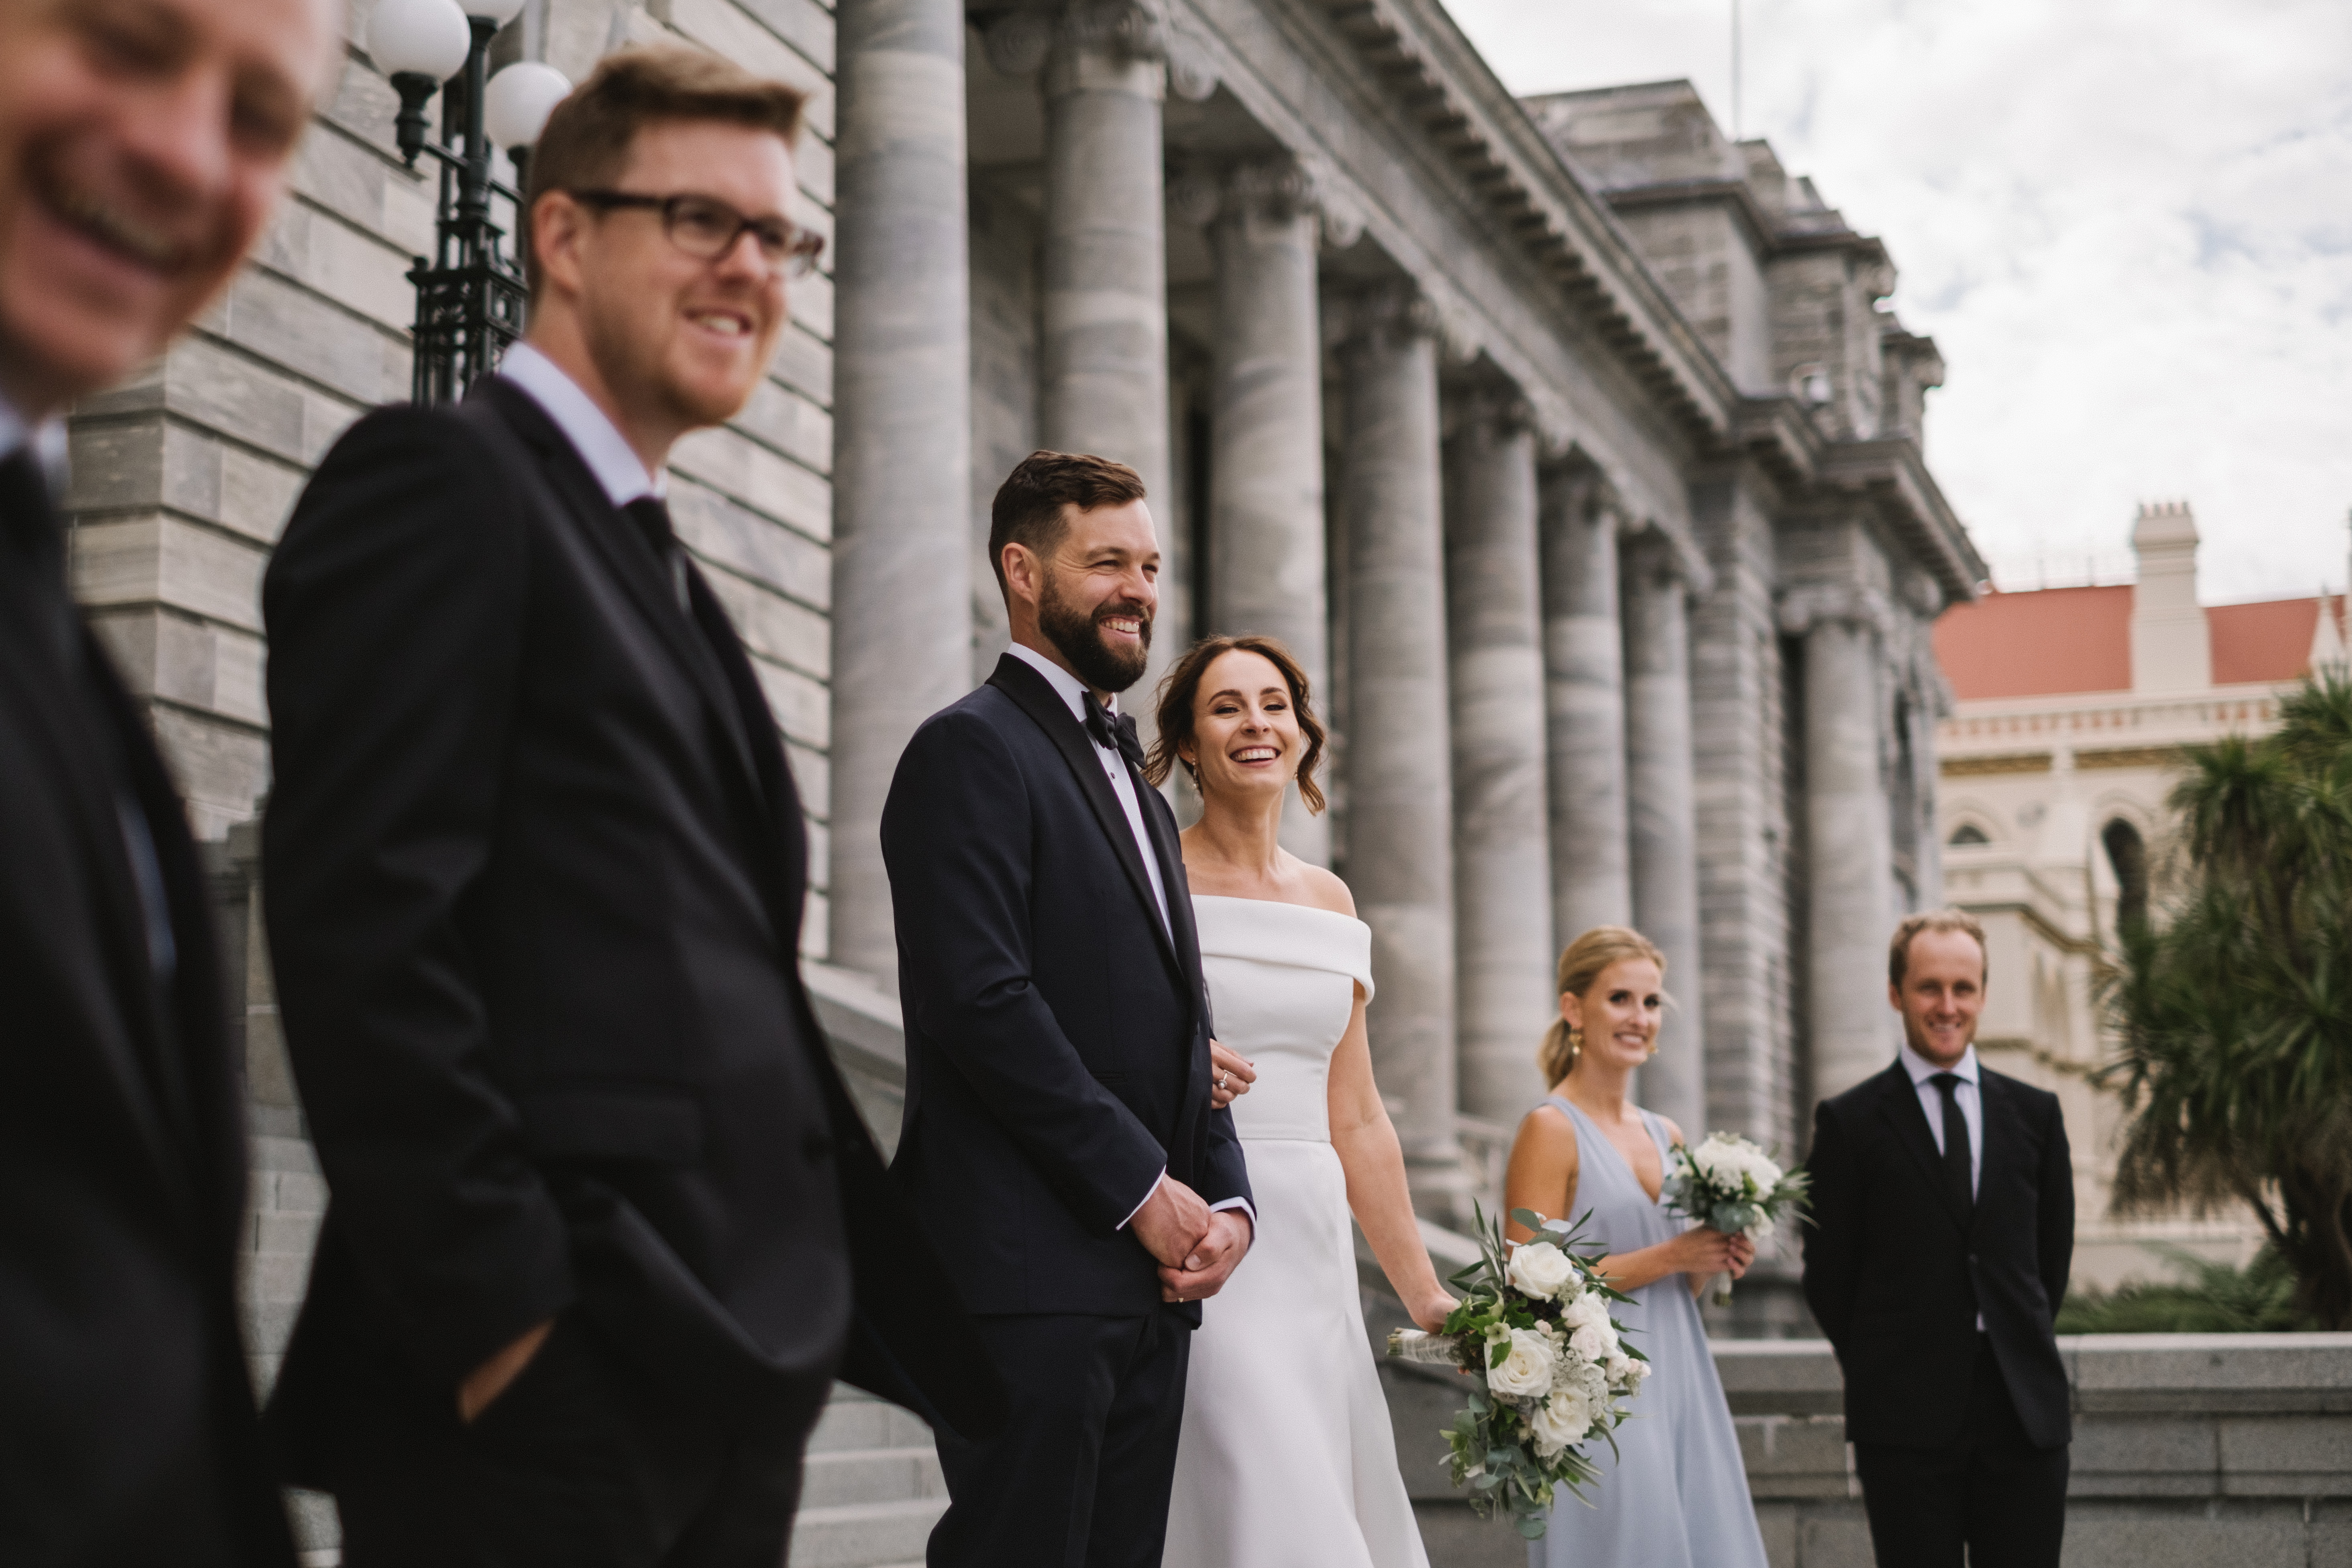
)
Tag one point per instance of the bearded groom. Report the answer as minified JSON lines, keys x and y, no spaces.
{"x":1059,"y":1141}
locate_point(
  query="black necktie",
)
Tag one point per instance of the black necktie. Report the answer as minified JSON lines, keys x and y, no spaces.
{"x":651,"y":514}
{"x":1956,"y":1143}
{"x":1115,"y":730}
{"x":28,"y":533}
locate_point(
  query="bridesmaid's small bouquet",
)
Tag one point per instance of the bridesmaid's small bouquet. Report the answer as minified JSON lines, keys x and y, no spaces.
{"x":1534,"y":1331}
{"x":1733,"y":1185}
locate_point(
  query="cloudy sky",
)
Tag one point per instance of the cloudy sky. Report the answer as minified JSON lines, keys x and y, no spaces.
{"x":2126,"y":223}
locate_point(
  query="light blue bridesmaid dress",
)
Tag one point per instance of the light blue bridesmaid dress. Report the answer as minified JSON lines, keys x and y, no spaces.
{"x":1674,"y":1495}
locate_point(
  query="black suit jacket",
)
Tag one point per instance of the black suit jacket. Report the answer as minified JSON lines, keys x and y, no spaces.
{"x":1058,"y":1038}
{"x":534,"y":871}
{"x":127,"y":1425}
{"x":1896,"y":1273}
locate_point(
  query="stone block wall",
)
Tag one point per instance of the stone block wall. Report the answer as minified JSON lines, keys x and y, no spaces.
{"x":2189,"y":1449}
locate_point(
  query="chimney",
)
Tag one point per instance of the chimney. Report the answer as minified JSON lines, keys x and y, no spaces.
{"x":2171,"y":648}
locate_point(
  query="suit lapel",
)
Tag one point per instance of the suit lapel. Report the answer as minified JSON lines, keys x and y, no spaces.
{"x":66,"y":725}
{"x":1030,"y":692}
{"x":1993,"y":1110}
{"x":1898,"y":1102}
{"x":1162,"y":823}
{"x":632,"y":561}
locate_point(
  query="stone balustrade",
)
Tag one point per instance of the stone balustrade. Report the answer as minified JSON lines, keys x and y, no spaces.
{"x":2189,"y":1450}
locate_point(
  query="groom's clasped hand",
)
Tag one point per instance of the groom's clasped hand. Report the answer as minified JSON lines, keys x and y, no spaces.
{"x":1197,"y":1250}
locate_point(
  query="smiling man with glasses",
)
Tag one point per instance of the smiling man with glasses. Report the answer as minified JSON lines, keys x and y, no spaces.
{"x":603,"y":1221}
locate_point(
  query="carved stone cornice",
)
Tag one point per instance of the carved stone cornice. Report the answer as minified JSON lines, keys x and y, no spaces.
{"x":1806,"y":606}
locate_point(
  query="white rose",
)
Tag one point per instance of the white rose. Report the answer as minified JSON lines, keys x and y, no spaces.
{"x":1562,"y":1419}
{"x":1540,"y":1269}
{"x":1763,"y":1227}
{"x":1584,"y":1311}
{"x":1594,"y":1341}
{"x":1631,"y":1379}
{"x":1526,"y":1373}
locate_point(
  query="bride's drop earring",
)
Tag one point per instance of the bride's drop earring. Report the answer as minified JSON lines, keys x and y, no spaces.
{"x":1575,"y":1045}
{"x":1654,"y":1048}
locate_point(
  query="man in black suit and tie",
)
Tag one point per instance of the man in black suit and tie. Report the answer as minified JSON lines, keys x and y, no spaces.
{"x":603,"y":1220}
{"x":1943,"y":1230}
{"x":144,"y":145}
{"x":1059,"y":1141}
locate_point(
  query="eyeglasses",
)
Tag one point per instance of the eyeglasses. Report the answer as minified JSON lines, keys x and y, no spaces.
{"x":708,"y":228}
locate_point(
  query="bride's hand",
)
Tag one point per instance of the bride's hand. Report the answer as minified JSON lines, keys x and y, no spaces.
{"x":1229,"y":1077}
{"x":1430,"y":1315}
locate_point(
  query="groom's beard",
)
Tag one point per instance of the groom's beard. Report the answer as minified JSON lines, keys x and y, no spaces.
{"x":1076,"y":633}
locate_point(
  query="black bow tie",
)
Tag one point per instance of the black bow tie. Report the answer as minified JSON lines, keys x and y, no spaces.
{"x":1116,"y":730}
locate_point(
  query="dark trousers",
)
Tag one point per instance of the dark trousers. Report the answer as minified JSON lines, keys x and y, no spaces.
{"x":1080,"y":1475}
{"x":577,"y":1465}
{"x":1993,"y":1493}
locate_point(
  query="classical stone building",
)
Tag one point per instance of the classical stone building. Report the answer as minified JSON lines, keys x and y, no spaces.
{"x":1567,"y":441}
{"x":2073,"y":706}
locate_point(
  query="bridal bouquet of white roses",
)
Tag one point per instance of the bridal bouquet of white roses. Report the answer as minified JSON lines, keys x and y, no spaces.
{"x":1733,"y":1185}
{"x":1534,"y":1331}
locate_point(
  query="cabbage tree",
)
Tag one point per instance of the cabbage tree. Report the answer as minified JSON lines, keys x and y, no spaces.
{"x":2234,"y":1000}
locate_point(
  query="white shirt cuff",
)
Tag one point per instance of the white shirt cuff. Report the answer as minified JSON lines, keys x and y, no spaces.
{"x":1147,"y":1199}
{"x":1242,"y":1203}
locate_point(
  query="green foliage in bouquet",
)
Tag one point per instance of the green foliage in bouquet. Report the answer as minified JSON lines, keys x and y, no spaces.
{"x":1533,"y":1331}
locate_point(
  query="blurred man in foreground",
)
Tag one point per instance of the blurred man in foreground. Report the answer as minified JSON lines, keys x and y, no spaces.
{"x":143,"y":145}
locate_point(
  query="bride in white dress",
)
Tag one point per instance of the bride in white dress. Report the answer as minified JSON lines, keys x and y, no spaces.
{"x":1287,"y":1456}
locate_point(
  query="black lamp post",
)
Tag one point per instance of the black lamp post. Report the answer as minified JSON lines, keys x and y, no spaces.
{"x":471,"y":295}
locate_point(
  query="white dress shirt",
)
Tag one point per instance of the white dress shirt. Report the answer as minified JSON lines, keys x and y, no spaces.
{"x":1073,"y":691}
{"x":47,"y":441}
{"x":595,"y":438}
{"x":1968,"y":1096}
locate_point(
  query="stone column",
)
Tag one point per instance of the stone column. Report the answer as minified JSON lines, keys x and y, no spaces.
{"x":1103,"y":317}
{"x":1657,"y":586}
{"x":1502,"y":865}
{"x":901,"y":562}
{"x":1266,"y":445}
{"x":1584,"y":699}
{"x":1848,"y":833}
{"x":1400,"y":795}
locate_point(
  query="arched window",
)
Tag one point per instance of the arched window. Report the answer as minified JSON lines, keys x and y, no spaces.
{"x":2127,"y":852}
{"x":1965,"y":835}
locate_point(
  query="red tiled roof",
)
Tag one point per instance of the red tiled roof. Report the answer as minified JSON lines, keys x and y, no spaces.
{"x":2262,"y":642}
{"x":2059,"y":640}
{"x":2037,"y":644}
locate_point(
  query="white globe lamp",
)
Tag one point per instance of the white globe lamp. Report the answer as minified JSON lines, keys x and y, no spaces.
{"x":419,"y":37}
{"x":518,"y":100}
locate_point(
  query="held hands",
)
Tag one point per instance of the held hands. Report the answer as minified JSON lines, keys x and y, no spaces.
{"x":1229,"y":1075}
{"x":1211,"y":1263}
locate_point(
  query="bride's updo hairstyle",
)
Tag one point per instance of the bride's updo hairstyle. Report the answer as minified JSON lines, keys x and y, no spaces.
{"x":1580,"y":966}
{"x":1181,"y":689}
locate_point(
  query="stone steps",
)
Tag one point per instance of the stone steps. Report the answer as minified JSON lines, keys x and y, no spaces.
{"x":872,"y":1488}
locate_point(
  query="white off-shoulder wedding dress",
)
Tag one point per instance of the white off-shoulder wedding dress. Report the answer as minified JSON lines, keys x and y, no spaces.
{"x":1287,"y":1456}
